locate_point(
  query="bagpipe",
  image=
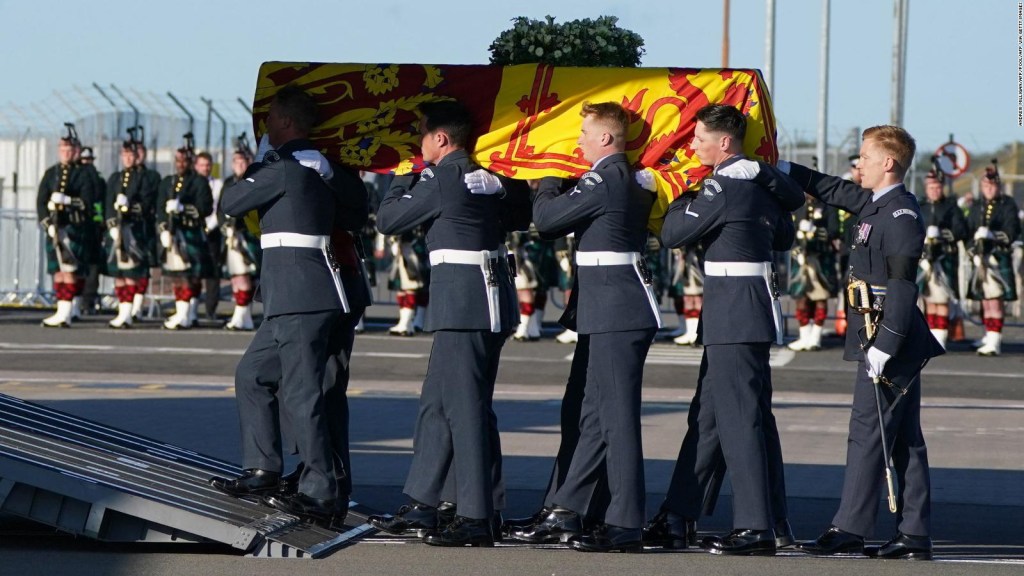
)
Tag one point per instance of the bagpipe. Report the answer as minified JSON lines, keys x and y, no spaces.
{"x":59,"y":214}
{"x":127,"y":253}
{"x":176,"y":255}
{"x":986,"y":279}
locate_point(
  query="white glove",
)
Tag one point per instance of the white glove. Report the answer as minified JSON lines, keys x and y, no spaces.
{"x":783,"y":166}
{"x":983,"y":233}
{"x":173,"y":207}
{"x":165,"y":239}
{"x":51,"y":231}
{"x":115,"y":234}
{"x":645,"y":178}
{"x":741,"y":170}
{"x":806,"y":226}
{"x":931,"y":232}
{"x":875,"y":360}
{"x":51,"y":206}
{"x":315,"y":160}
{"x":565,"y":265}
{"x":482,"y":182}
{"x":262,"y":148}
{"x":121,"y":201}
{"x":58,"y":198}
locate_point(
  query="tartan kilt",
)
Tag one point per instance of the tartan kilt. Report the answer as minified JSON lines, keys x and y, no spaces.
{"x":542,"y":256}
{"x":816,"y":278}
{"x":83,"y":244}
{"x":1000,"y":263}
{"x":252,"y":245}
{"x":197,"y":252}
{"x":143,"y":233}
{"x":659,"y":273}
{"x":940,"y":283}
{"x":688,"y":274}
{"x":410,"y":269}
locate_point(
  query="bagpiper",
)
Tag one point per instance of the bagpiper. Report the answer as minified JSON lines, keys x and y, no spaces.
{"x":536,"y":272}
{"x":129,"y":213}
{"x":183,"y":203}
{"x":994,"y":227}
{"x":64,"y":206}
{"x":812,"y":276}
{"x":242,"y":253}
{"x":937,"y":277}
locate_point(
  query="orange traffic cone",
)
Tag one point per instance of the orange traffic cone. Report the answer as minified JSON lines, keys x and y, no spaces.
{"x":956,"y":329}
{"x":841,"y":322}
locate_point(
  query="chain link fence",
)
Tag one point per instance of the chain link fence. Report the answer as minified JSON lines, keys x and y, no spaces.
{"x":102,"y":115}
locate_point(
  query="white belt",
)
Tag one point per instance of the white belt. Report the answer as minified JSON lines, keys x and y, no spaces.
{"x":473,"y":257}
{"x":481,"y":259}
{"x":293,"y":240}
{"x":321,"y":243}
{"x":736,"y":268}
{"x":601,"y":258}
{"x":762,"y":269}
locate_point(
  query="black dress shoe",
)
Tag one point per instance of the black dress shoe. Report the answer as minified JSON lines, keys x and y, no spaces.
{"x":558,"y":526}
{"x":742,"y":543}
{"x":670,"y":530}
{"x":514,"y":523}
{"x":445,"y":514}
{"x":253,"y":481}
{"x":902,"y":546}
{"x":784,"y":534}
{"x":833,"y":541}
{"x":326,"y":511}
{"x":412,"y":517}
{"x":608,"y":538}
{"x":496,"y":523}
{"x":289,"y":483}
{"x":463,"y":532}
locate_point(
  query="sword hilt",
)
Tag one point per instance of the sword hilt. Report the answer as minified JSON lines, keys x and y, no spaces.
{"x":892,"y":488}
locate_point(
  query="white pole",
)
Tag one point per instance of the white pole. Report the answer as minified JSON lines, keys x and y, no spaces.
{"x":823,"y":91}
{"x":769,"y":47}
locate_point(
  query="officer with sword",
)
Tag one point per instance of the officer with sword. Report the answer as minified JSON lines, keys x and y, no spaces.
{"x":889,"y":339}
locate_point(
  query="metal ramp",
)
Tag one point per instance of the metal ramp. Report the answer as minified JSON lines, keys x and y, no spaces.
{"x":92,"y":480}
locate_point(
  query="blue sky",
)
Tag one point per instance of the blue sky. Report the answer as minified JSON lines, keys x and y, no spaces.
{"x":961,"y":62}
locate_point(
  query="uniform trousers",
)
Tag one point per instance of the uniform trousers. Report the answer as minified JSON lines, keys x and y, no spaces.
{"x":283,"y":369}
{"x":336,"y":379}
{"x":456,"y":428}
{"x":864,"y":481}
{"x":700,"y":467}
{"x":733,"y":394}
{"x":211,"y":284}
{"x":571,"y":410}
{"x":610,"y":446}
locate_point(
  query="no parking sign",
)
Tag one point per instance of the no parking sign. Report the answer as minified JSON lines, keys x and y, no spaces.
{"x":952,"y":159}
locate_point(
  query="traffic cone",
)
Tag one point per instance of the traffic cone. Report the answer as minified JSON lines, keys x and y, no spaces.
{"x":956,"y":329}
{"x":841,"y":322}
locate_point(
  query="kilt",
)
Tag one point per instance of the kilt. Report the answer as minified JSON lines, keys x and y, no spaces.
{"x":687,"y":273}
{"x":81,"y":240}
{"x":410,"y":268}
{"x":235,"y":263}
{"x":937,"y":279}
{"x":995,"y":279}
{"x":142,"y":234}
{"x":193,"y":244}
{"x":815,"y":279}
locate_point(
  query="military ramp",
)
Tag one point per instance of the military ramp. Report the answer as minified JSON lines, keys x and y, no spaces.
{"x":92,"y":480}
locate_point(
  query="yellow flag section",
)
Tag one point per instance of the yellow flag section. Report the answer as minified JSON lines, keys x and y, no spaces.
{"x":527,"y":116}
